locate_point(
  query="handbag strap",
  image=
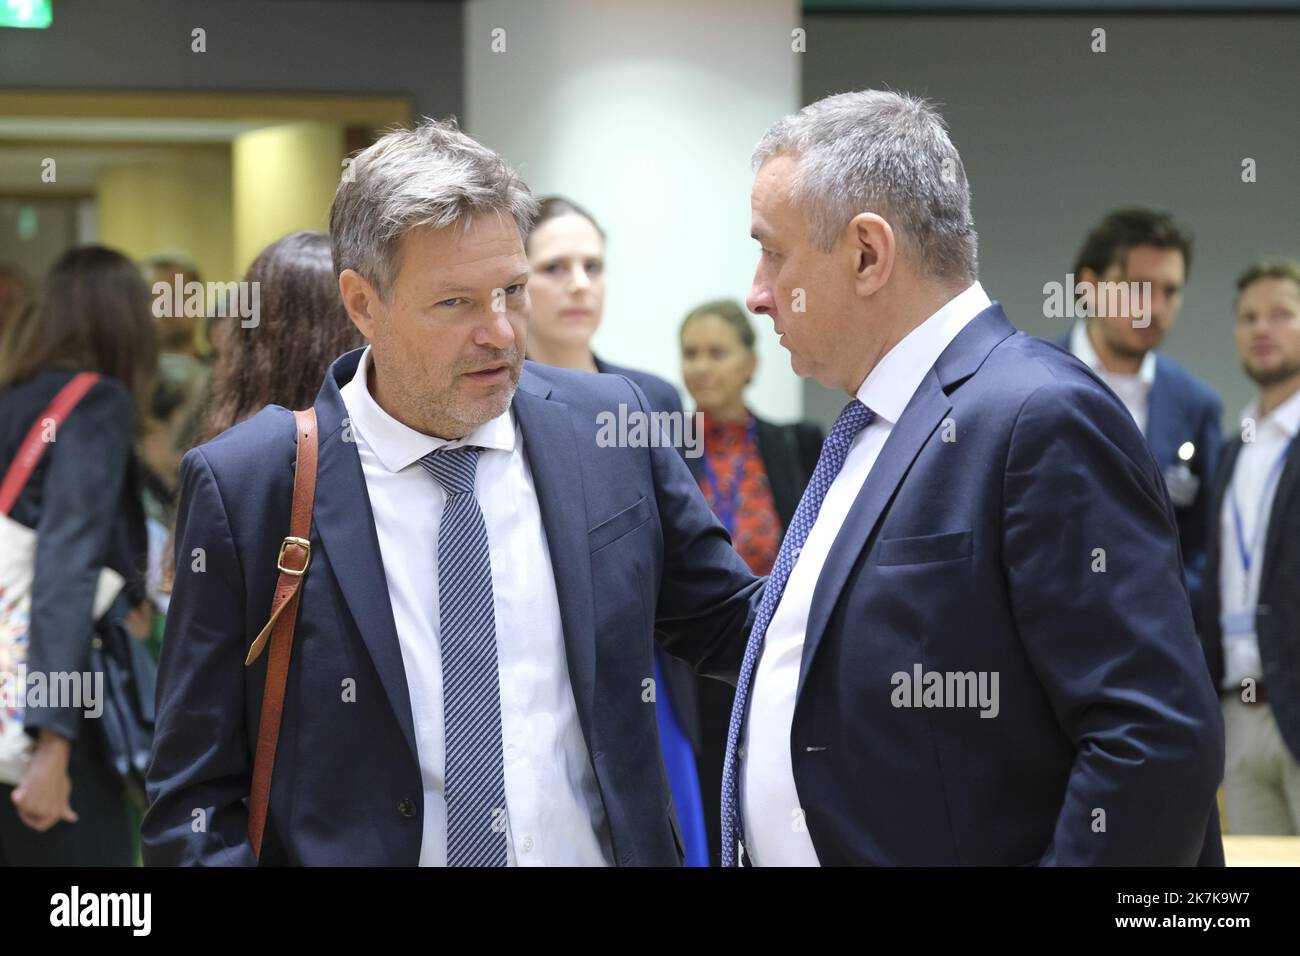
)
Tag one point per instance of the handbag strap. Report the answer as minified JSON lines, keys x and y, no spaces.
{"x":34,"y":445}
{"x":295,"y":556}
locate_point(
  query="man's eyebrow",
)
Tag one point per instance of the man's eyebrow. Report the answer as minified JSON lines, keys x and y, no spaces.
{"x":445,"y":290}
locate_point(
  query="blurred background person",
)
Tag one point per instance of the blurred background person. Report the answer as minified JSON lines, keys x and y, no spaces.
{"x":178,"y":330}
{"x":1178,"y":414}
{"x":566,"y":256}
{"x":301,"y":329}
{"x":753,"y":474}
{"x":171,"y":429}
{"x":83,"y":500}
{"x":1251,"y":629}
{"x":15,"y":293}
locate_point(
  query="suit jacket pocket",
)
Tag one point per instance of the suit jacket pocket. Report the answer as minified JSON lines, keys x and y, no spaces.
{"x":629,"y":519}
{"x":925,"y":549}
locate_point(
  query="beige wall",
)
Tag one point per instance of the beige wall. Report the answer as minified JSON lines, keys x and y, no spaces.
{"x":179,"y":203}
{"x":284,"y":179}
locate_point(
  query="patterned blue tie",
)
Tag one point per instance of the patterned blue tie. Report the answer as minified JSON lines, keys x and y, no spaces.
{"x":852,"y":420}
{"x":475,"y":788}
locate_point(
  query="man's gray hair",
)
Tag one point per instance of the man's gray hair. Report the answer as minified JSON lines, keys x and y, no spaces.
{"x":886,"y":153}
{"x":434,"y":176}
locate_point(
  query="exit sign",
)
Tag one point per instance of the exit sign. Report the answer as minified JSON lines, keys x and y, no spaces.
{"x":35,"y":14}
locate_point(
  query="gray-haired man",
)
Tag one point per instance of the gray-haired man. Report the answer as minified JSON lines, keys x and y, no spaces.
{"x":975,"y":646}
{"x":471,"y":677}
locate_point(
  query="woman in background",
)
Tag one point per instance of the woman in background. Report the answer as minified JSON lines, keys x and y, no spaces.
{"x":83,"y":500}
{"x":302,"y":327}
{"x":566,"y":255}
{"x":753,"y":474}
{"x":281,"y":360}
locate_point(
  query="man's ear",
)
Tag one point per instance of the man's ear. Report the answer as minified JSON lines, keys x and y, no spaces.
{"x":873,"y":247}
{"x":360,"y":299}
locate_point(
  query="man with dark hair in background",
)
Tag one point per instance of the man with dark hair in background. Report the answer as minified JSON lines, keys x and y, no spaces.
{"x":1119,"y":340}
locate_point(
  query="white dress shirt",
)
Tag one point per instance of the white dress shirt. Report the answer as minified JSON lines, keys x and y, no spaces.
{"x":553,"y":807}
{"x":1253,"y":487}
{"x":775,"y":834}
{"x":1133,"y":390}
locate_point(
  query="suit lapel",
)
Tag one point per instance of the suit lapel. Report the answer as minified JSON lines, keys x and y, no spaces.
{"x":923,"y":414}
{"x":346,"y":526}
{"x":552,"y":451}
{"x":1161,"y":415}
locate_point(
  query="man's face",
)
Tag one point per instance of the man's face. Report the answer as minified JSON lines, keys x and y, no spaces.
{"x":448,"y":344}
{"x":809,"y":294}
{"x":1116,"y":315}
{"x":1268,"y":330}
{"x":566,"y":285}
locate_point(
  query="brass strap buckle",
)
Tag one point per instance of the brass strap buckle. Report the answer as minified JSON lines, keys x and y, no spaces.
{"x":300,"y":542}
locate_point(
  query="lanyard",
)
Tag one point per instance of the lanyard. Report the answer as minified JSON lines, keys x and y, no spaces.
{"x":1246,"y":552}
{"x":724,"y":503}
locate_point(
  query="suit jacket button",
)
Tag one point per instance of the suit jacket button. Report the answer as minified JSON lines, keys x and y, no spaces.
{"x":406,"y":808}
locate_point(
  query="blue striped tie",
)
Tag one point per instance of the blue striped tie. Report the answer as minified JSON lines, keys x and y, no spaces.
{"x":475,"y":788}
{"x":852,"y":420}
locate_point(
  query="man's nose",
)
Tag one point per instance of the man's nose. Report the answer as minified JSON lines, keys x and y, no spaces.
{"x":759,"y":300}
{"x":497,"y":332}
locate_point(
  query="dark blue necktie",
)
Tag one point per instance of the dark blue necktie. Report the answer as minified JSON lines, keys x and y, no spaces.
{"x":474,"y":779}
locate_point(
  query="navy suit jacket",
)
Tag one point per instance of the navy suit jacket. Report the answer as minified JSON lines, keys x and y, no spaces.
{"x":973,"y":547}
{"x":636,"y":554}
{"x":1185,"y":409}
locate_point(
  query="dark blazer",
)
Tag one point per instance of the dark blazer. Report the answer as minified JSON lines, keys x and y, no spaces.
{"x":636,"y":554}
{"x":1185,"y":409}
{"x":661,"y":396}
{"x":83,"y":499}
{"x":1277,"y":621}
{"x":971,"y":548}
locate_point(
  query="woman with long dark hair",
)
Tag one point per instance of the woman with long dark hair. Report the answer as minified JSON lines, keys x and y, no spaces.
{"x":302,"y":327}
{"x":82,"y":499}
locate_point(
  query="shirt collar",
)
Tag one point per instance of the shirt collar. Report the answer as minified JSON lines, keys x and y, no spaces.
{"x":1285,"y":417}
{"x":398,"y":446}
{"x":890,"y":385}
{"x":1082,"y":348}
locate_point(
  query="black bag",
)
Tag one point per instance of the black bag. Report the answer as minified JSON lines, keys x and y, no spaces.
{"x":127,"y":723}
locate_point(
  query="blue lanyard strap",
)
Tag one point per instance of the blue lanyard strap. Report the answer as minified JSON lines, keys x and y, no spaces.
{"x":1247,"y":552}
{"x":724,"y":503}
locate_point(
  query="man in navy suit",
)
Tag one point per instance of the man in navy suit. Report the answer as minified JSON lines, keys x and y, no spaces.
{"x":975,"y":646}
{"x":1119,"y":340}
{"x":471,"y":673}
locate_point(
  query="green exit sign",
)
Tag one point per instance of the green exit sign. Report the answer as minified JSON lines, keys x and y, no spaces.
{"x":34,"y":14}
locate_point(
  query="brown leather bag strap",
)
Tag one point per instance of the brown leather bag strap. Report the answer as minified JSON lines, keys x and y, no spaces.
{"x":295,"y":556}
